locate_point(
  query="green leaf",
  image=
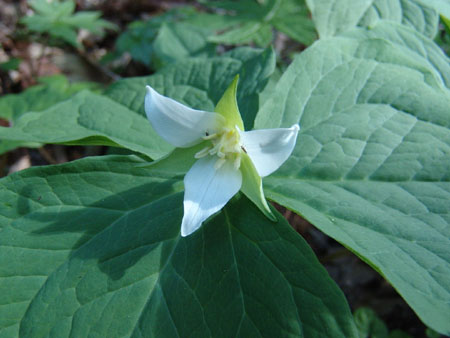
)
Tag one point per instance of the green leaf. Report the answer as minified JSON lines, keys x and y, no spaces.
{"x":411,"y":13}
{"x":67,"y":34}
{"x":441,"y":6}
{"x":52,"y":8}
{"x":11,"y":64}
{"x":57,"y":18}
{"x":251,"y":31}
{"x":372,"y":163}
{"x":95,"y":246}
{"x":251,"y":21}
{"x":51,"y":90}
{"x":90,"y":21}
{"x":369,"y":325}
{"x":293,"y":19}
{"x":138,"y":41}
{"x":173,"y":35}
{"x":338,"y":16}
{"x":178,"y":41}
{"x":200,"y":83}
{"x":88,"y":119}
{"x":405,"y":41}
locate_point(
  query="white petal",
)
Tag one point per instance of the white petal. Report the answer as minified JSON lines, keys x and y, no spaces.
{"x":178,"y":124}
{"x":207,"y":190}
{"x":269,"y":148}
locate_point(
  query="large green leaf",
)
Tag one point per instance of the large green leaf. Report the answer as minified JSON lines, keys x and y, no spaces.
{"x":372,"y":163}
{"x":88,"y":119}
{"x":173,"y":35}
{"x":178,"y":41}
{"x":93,"y":247}
{"x":200,"y":83}
{"x":441,"y":6}
{"x":51,"y":90}
{"x":119,"y":118}
{"x":337,"y":16}
{"x":252,"y":21}
{"x":408,"y":12}
{"x":332,"y":17}
{"x":407,"y":42}
{"x":292,"y":18}
{"x":163,"y":39}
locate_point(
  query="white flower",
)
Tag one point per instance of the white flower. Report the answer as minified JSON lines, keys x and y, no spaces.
{"x":230,"y":158}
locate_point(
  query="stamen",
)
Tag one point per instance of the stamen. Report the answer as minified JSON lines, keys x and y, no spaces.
{"x":237,"y":162}
{"x":225,"y":145}
{"x":202,"y":153}
{"x":219,"y":163}
{"x":209,"y":137}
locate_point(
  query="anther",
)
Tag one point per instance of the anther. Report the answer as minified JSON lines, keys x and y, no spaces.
{"x":202,"y":153}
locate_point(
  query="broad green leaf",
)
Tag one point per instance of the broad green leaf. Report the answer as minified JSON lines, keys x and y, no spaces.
{"x":411,"y":13}
{"x":137,"y":40}
{"x":337,"y":16}
{"x":93,"y":247}
{"x":405,"y":41}
{"x":7,"y":145}
{"x":178,"y":41}
{"x":210,"y":21}
{"x":52,"y":90}
{"x":200,"y":83}
{"x":88,"y":119}
{"x":332,"y":17}
{"x":441,"y":6}
{"x":372,"y":164}
{"x":258,"y":32}
{"x":165,"y":38}
{"x":293,"y":19}
{"x":49,"y":91}
{"x":252,"y":21}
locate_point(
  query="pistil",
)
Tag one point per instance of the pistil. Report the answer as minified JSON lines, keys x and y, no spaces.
{"x":225,"y":144}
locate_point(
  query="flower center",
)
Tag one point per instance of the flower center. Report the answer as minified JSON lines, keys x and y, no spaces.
{"x":225,"y":144}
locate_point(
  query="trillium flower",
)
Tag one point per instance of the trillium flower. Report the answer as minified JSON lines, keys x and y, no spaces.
{"x":230,"y":159}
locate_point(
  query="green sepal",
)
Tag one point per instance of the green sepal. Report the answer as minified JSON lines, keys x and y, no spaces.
{"x":446,"y":22}
{"x":228,"y":106}
{"x":177,"y":162}
{"x":252,"y":186}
